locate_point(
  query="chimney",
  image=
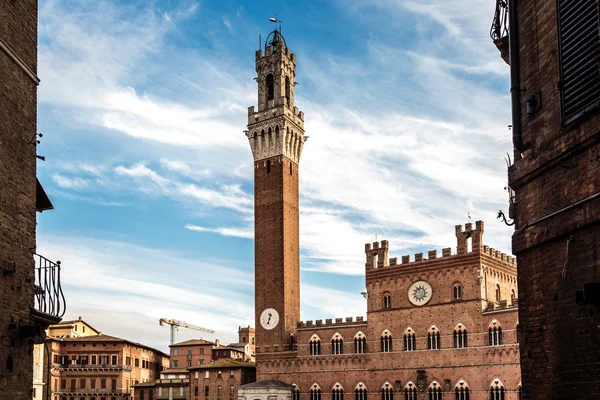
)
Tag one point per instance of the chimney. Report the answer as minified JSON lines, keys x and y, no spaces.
{"x":217,"y":342}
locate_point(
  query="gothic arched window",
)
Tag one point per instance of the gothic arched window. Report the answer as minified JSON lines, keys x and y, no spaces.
{"x":314,"y":346}
{"x":435,"y":391}
{"x":295,"y":392}
{"x":269,"y":86}
{"x":410,"y":391}
{"x":496,"y":390}
{"x":460,"y":336}
{"x":387,"y":392}
{"x":495,"y":333}
{"x":337,"y":392}
{"x":462,"y":391}
{"x":433,"y":339}
{"x":315,"y":392}
{"x":410,"y":340}
{"x":360,"y":343}
{"x":337,"y":344}
{"x":386,"y":342}
{"x":360,"y":392}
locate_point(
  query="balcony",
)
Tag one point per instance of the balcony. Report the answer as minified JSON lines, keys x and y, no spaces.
{"x":499,"y":29}
{"x":49,"y":300}
{"x":91,"y":367}
{"x":91,"y":392}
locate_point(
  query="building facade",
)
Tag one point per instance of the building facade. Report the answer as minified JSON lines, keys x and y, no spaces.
{"x":31,"y":298}
{"x":101,"y":367}
{"x":174,"y":384}
{"x":191,"y":353}
{"x":554,"y":53}
{"x":41,"y":372}
{"x":220,"y":379}
{"x":441,"y":326}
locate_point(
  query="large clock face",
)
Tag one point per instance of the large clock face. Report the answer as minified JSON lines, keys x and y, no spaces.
{"x":269,"y":318}
{"x":419,"y":293}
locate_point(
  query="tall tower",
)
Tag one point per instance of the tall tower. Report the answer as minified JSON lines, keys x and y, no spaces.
{"x":276,"y":136}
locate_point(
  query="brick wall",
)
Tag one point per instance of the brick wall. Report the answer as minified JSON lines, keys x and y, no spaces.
{"x":560,"y":348}
{"x":277,"y":272}
{"x":18,"y":99}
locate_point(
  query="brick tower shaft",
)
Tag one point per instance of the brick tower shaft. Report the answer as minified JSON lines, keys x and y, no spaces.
{"x":276,"y":136}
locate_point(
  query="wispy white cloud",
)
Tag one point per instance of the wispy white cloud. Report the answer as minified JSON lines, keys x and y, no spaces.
{"x":245,"y":233}
{"x":69,"y":183}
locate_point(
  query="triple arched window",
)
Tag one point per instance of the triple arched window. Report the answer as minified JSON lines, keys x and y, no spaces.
{"x":386,"y":341}
{"x":360,"y":392}
{"x":433,"y":339}
{"x":315,"y":392}
{"x":495,"y":333}
{"x":337,"y":392}
{"x":435,"y":391}
{"x":360,"y":343}
{"x":461,"y":391}
{"x":387,"y":392}
{"x":295,"y":392}
{"x":337,"y":344}
{"x":496,"y":390}
{"x":410,"y":340}
{"x":410,"y":391}
{"x":460,"y":336}
{"x":314,"y":345}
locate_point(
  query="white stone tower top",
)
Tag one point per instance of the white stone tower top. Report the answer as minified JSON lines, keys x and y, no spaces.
{"x":277,"y":128}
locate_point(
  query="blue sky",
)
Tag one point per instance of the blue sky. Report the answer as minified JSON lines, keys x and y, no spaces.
{"x":143,"y":105}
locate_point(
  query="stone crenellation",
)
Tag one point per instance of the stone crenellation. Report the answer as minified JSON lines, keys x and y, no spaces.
{"x":377,"y":252}
{"x":330,"y":322}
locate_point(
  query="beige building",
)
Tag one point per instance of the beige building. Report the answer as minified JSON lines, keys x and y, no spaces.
{"x":76,"y":328}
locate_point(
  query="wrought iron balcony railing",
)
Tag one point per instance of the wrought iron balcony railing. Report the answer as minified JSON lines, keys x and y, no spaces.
{"x":49,"y":297}
{"x":499,"y":28}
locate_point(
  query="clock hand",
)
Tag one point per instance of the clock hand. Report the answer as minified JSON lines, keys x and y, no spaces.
{"x":269,"y":321}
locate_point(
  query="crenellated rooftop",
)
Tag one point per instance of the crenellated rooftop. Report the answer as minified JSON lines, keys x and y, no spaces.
{"x":331,"y":322}
{"x":377,"y":252}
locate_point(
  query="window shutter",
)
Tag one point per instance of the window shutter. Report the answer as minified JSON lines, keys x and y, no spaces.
{"x":579,"y":45}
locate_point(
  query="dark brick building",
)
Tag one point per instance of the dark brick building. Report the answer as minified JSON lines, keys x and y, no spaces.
{"x":25,"y":306}
{"x":555,"y":80}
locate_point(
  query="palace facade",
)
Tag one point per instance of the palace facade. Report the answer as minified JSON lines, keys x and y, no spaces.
{"x":439,"y":326}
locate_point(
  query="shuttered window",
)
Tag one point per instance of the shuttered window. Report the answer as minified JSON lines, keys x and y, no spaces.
{"x":579,"y":43}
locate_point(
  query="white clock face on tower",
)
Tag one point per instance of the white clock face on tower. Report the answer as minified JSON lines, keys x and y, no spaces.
{"x":269,"y":318}
{"x":419,"y":293}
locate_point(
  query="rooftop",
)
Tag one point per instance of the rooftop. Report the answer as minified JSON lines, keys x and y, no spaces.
{"x":226,"y":363}
{"x":270,"y":383}
{"x":193,"y":342}
{"x":107,"y":338}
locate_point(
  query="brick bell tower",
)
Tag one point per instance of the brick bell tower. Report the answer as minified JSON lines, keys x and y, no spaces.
{"x":276,"y":136}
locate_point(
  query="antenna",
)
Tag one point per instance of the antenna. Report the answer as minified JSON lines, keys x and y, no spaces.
{"x":469,"y":215}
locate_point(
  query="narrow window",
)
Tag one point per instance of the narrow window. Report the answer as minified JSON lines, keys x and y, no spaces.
{"x":337,"y":394}
{"x":457,"y":292}
{"x":387,"y":301}
{"x":315,"y":346}
{"x":360,"y":343}
{"x":295,"y":393}
{"x":231,"y":390}
{"x":360,"y":394}
{"x":287,"y":90}
{"x":315,"y":393}
{"x":219,"y":390}
{"x":497,"y":391}
{"x":498,"y":294}
{"x":206,"y":391}
{"x":433,"y":339}
{"x":386,"y":342}
{"x":435,"y":392}
{"x":291,"y":168}
{"x":269,"y":87}
{"x":337,"y":345}
{"x":579,"y":56}
{"x":268,"y":166}
{"x":461,"y":393}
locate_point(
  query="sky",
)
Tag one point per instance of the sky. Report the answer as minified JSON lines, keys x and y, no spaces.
{"x":143,"y":104}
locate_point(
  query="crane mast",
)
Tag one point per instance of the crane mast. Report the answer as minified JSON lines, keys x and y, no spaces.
{"x":174,"y":324}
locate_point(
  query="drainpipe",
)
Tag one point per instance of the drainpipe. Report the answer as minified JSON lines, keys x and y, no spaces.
{"x":515,"y":79}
